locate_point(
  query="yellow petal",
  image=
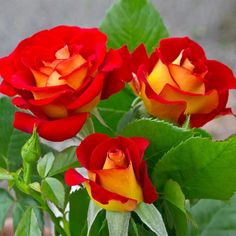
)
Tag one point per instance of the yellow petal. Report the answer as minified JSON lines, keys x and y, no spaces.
{"x":159,"y":77}
{"x":54,"y":79}
{"x":40,"y":78}
{"x":63,"y":53}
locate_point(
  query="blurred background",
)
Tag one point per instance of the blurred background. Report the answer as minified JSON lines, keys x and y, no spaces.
{"x":209,"y":22}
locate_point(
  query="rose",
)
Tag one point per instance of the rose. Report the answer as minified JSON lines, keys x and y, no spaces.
{"x":60,"y":75}
{"x":117,"y":174}
{"x":178,"y":80}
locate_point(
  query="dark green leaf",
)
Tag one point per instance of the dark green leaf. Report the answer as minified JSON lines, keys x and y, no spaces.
{"x":79,"y":202}
{"x":63,"y":161}
{"x":132,"y":23}
{"x":113,"y":109}
{"x":202,"y":167}
{"x":5,"y":203}
{"x":175,"y":202}
{"x":53,"y":190}
{"x":28,"y":225}
{"x":214,"y":218}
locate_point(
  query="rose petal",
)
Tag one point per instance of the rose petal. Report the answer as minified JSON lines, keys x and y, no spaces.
{"x":72,"y":177}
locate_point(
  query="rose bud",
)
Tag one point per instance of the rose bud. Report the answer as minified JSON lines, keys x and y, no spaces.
{"x":117,"y":174}
{"x":178,"y":80}
{"x":60,"y":75}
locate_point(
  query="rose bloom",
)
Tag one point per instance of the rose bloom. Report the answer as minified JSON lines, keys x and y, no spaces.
{"x":117,"y":174}
{"x":60,"y":75}
{"x":178,"y":80}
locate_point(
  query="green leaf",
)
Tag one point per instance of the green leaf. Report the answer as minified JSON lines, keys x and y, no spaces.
{"x":53,"y":190}
{"x":150,"y":216}
{"x":87,"y":129}
{"x":93,"y":211}
{"x":132,"y":23}
{"x":11,"y":140}
{"x":118,"y":223}
{"x":63,"y":161}
{"x":175,"y":202}
{"x":21,"y":205}
{"x":45,"y":164}
{"x":202,"y":167}
{"x":79,"y":202}
{"x":214,"y":218}
{"x":28,"y":225}
{"x":162,"y":136}
{"x":5,"y":203}
{"x":113,"y":109}
{"x":5,"y":175}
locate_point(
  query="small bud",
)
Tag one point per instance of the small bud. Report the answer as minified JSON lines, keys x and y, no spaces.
{"x":31,"y":152}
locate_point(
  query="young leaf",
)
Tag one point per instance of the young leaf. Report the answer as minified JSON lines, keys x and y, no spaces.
{"x":5,"y":175}
{"x":214,"y":218}
{"x":118,"y":223}
{"x":5,"y":203}
{"x":45,"y":164}
{"x":79,"y":201}
{"x":133,"y":23}
{"x":53,"y":190}
{"x":63,"y":161}
{"x":202,"y":167}
{"x":150,"y":216}
{"x":28,"y":225}
{"x":93,"y":211}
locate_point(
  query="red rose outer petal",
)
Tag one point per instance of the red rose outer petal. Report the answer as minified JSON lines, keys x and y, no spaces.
{"x":86,"y":147}
{"x":56,"y":130}
{"x":72,"y":177}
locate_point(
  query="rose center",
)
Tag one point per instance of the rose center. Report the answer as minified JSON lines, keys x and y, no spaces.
{"x":115,"y":159}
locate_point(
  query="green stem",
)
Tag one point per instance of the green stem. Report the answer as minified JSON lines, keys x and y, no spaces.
{"x":22,"y":186}
{"x":27,"y":172}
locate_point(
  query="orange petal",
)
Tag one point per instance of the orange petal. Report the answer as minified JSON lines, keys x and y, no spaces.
{"x":46,"y":70}
{"x":114,"y":205}
{"x":43,"y":95}
{"x":63,"y":53}
{"x":40,"y":78}
{"x":69,"y":65}
{"x":161,"y":108}
{"x":55,"y":111}
{"x":195,"y":103}
{"x":54,"y":79}
{"x":188,"y":65}
{"x":121,"y":181}
{"x":159,"y":77}
{"x":186,"y":80}
{"x":76,"y":78}
{"x":88,"y":107}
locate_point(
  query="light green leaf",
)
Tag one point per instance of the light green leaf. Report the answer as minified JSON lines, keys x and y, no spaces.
{"x":214,"y":218}
{"x":35,"y":186}
{"x":21,"y":205}
{"x":202,"y":167}
{"x":162,"y":136}
{"x":87,"y":129}
{"x":28,"y":225}
{"x":118,"y":223}
{"x":150,"y":216}
{"x":175,"y":202}
{"x":63,"y":161}
{"x":5,"y":203}
{"x":79,"y":202}
{"x":53,"y":190}
{"x":5,"y":175}
{"x":132,"y":23}
{"x":93,"y":211}
{"x":45,"y":164}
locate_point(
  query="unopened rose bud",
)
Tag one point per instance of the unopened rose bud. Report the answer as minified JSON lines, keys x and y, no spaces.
{"x":31,"y":152}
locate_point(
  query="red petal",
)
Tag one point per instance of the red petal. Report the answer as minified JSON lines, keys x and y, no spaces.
{"x":87,"y":146}
{"x":72,"y":177}
{"x":7,"y":89}
{"x":149,"y":192}
{"x":112,"y":61}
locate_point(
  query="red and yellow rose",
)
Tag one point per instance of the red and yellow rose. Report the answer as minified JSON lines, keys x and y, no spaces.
{"x":117,"y":174}
{"x":60,"y":75}
{"x":178,"y":80}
